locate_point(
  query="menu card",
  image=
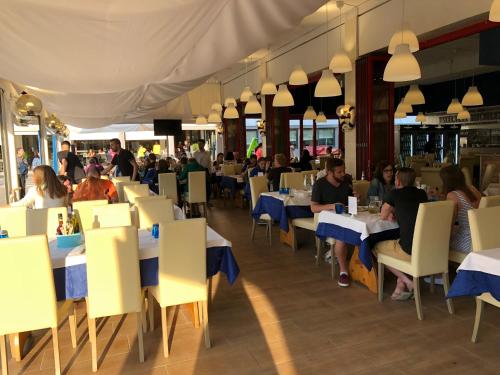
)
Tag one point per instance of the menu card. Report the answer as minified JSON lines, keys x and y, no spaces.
{"x":353,"y":205}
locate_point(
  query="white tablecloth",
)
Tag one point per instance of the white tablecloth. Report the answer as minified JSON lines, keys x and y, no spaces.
{"x":148,"y":248}
{"x":300,"y":198}
{"x":492,"y":189}
{"x":487,"y":261}
{"x":363,"y":223}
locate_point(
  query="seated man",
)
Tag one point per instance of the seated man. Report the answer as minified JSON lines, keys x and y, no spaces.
{"x":94,"y":188}
{"x":274,"y":174}
{"x":401,"y":205}
{"x":331,"y":189}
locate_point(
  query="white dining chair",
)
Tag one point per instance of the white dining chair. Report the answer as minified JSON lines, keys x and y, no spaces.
{"x":485,"y":235}
{"x":258,"y":185}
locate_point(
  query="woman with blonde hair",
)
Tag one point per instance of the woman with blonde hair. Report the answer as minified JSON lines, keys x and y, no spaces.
{"x":47,"y":192}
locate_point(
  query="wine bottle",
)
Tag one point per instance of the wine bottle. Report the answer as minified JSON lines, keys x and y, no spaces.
{"x":60,"y":228}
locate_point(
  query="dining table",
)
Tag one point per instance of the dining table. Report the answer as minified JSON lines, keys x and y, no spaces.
{"x":283,"y":208}
{"x":362,"y":230}
{"x":478,"y":273}
{"x":232,"y":184}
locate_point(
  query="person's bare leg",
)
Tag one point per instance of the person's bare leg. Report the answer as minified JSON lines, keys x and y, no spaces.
{"x":341,"y":254}
{"x":402,"y":280}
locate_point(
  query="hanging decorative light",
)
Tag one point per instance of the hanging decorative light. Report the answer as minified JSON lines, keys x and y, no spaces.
{"x":283,"y":97}
{"x":399,"y":115}
{"x":201,"y":120}
{"x":414,"y":96}
{"x":253,"y":106}
{"x":321,"y":118}
{"x":495,"y":11}
{"x":214,"y":116}
{"x":231,"y":112}
{"x":421,"y":117}
{"x":230,"y":100}
{"x":404,"y":107}
{"x":217,"y":107}
{"x":464,"y":115}
{"x":402,"y":66}
{"x":28,"y":104}
{"x":246,"y":94}
{"x":340,"y":62}
{"x":403,"y":37}
{"x":298,"y":77}
{"x":472,"y":97}
{"x":454,"y":107}
{"x":327,"y":85}
{"x":268,"y":88}
{"x":310,"y":113}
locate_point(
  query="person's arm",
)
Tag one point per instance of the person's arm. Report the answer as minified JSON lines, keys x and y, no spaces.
{"x":28,"y":200}
{"x":387,"y":212}
{"x":136,"y":169}
{"x":316,"y":207}
{"x":64,"y":166}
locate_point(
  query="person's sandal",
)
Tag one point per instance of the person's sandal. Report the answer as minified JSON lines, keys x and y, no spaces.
{"x":403,"y":296}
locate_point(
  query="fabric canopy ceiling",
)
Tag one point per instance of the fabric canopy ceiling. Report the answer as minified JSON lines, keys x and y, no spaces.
{"x":96,"y":62}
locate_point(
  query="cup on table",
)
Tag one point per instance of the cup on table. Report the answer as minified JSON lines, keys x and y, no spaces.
{"x":339,"y":208}
{"x":284,"y":191}
{"x":155,"y":231}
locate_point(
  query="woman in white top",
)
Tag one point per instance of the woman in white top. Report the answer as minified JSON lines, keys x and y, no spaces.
{"x":47,"y":192}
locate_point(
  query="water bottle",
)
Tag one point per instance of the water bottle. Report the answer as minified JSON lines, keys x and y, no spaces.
{"x":4,"y":234}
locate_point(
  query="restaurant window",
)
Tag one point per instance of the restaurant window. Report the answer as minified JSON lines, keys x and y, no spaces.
{"x":294,"y":139}
{"x":307,"y":135}
{"x":327,"y":135}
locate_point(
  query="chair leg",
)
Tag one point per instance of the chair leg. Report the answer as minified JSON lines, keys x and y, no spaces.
{"x":479,"y":314}
{"x":432,"y":284}
{"x":333,"y":270}
{"x":151,"y":312}
{"x":93,"y":342}
{"x":446,"y":286}
{"x":3,"y":354}
{"x":55,"y":343}
{"x":144,"y":320}
{"x":294,"y":238}
{"x":72,"y":325}
{"x":380,"y":281}
{"x":164,"y":330}
{"x":318,"y":249}
{"x":252,"y":234}
{"x":418,"y":301}
{"x":270,"y":227}
{"x":196,"y":315}
{"x":205,"y":324}
{"x":140,"y":341}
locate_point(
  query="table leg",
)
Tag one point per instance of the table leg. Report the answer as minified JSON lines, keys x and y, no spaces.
{"x":17,"y":342}
{"x":360,"y":273}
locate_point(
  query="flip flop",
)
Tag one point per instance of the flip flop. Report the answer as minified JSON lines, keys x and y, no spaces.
{"x":403,"y":296}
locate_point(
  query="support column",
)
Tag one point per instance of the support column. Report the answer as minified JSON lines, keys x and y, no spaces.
{"x":351,"y":47}
{"x":44,"y":146}
{"x":10,"y":165}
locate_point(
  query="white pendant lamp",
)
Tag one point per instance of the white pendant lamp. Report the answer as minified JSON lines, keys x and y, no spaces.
{"x":310,"y":113}
{"x":231,"y":112}
{"x":414,"y":96}
{"x":298,"y":77}
{"x":214,"y":116}
{"x":463,"y":115}
{"x":399,"y":115}
{"x":229,"y":100}
{"x":327,"y":85}
{"x":404,"y":107}
{"x":472,"y":97}
{"x":201,"y":120}
{"x":321,"y":118}
{"x":403,"y":37}
{"x":283,"y":97}
{"x":268,"y":88}
{"x":253,"y":106}
{"x":245,"y":94}
{"x":341,"y":63}
{"x":454,"y":107}
{"x":216,"y":107}
{"x":421,"y":117}
{"x":495,"y":11}
{"x":402,"y":66}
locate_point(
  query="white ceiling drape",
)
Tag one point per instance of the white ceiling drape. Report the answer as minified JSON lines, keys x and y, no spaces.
{"x":96,"y":62}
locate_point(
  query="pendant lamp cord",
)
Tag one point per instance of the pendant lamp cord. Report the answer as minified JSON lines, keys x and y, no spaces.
{"x":327,"y":54}
{"x":402,"y":21}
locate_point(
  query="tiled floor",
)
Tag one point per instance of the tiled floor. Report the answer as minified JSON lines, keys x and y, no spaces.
{"x":286,"y":316}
